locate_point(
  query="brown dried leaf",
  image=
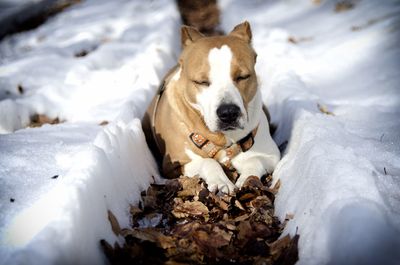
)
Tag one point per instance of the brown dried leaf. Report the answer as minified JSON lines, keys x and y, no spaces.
{"x":210,"y":229}
{"x":226,"y":198}
{"x":230,"y":225}
{"x":260,"y":230}
{"x":261,"y":202}
{"x":190,"y":186}
{"x":125,"y":232}
{"x":263,"y":261}
{"x":246,"y":196}
{"x":114,"y":223}
{"x":253,"y":182}
{"x":150,"y":202}
{"x":239,"y":205}
{"x":107,"y":248}
{"x":185,"y":230}
{"x":266,"y":180}
{"x":295,"y":40}
{"x":187,"y":208}
{"x":291,"y":254}
{"x":173,"y":262}
{"x":324,"y":109}
{"x":344,"y":5}
{"x":20,"y":89}
{"x":203,"y":195}
{"x":277,"y":247}
{"x":134,"y":210}
{"x":225,"y":236}
{"x":216,"y":214}
{"x":242,"y":218}
{"x":211,"y":240}
{"x":173,"y":185}
{"x":38,"y":120}
{"x":154,"y":236}
{"x":219,"y":202}
{"x":245,"y":233}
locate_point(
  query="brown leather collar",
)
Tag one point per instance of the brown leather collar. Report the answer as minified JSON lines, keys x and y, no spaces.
{"x":223,"y":155}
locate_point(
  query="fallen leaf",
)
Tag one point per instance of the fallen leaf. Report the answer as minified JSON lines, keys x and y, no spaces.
{"x":187,"y":208}
{"x":190,"y":186}
{"x":114,"y":223}
{"x":38,"y":120}
{"x":21,"y":89}
{"x":154,"y":236}
{"x":344,"y":5}
{"x":182,"y":222}
{"x":324,"y":109}
{"x":253,"y":182}
{"x":277,"y":247}
{"x":239,"y":205}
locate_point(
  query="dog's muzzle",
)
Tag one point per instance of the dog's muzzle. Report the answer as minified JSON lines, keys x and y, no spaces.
{"x":228,"y":116}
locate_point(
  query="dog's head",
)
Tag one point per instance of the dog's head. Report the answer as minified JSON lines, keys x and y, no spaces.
{"x":218,"y":76}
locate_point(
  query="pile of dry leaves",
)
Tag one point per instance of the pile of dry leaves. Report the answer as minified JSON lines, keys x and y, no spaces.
{"x":181,"y":222}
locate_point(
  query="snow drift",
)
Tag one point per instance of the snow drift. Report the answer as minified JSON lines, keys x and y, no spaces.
{"x":57,"y":182}
{"x":340,"y":173}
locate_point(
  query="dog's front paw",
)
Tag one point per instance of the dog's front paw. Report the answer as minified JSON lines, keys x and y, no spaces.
{"x":212,"y":173}
{"x":223,"y":185}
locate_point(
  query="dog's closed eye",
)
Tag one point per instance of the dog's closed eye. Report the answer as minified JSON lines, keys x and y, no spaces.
{"x":242,"y":77}
{"x":202,"y":82}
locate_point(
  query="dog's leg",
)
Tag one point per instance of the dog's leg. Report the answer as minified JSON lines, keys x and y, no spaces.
{"x":260,"y":159}
{"x":209,"y":170}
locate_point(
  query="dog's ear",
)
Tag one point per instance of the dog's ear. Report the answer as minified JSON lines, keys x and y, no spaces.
{"x":242,"y":31}
{"x":189,"y":35}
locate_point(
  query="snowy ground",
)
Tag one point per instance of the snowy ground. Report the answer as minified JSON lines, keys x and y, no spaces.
{"x":340,"y":174}
{"x":131,"y":44}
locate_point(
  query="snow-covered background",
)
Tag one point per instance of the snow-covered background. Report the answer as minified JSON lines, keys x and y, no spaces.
{"x":131,"y":45}
{"x":340,"y":174}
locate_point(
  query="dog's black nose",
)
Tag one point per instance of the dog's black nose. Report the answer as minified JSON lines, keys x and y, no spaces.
{"x":228,"y":113}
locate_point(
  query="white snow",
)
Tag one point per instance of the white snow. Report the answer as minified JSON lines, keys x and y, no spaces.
{"x":129,"y":54}
{"x":60,"y":220}
{"x":340,"y":175}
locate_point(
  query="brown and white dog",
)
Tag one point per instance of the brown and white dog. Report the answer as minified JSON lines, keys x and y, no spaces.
{"x":207,"y":118}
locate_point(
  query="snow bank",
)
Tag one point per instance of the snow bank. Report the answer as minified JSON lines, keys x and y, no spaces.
{"x":57,"y":182}
{"x":126,"y":55}
{"x":340,"y":173}
{"x":32,"y":162}
{"x":65,"y":225}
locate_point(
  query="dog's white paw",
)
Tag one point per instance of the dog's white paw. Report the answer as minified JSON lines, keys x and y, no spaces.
{"x":211,"y":171}
{"x":223,"y":185}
